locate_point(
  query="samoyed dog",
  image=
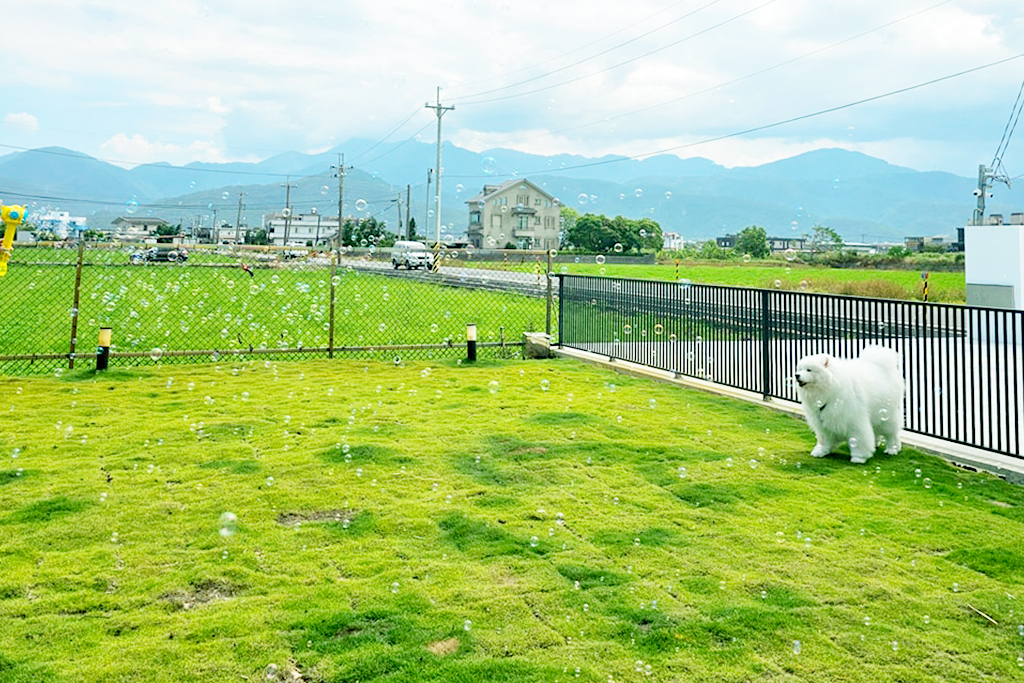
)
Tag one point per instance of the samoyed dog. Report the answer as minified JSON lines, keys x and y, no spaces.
{"x":859,"y":400}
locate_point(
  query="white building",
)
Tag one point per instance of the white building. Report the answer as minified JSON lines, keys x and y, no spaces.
{"x":304,"y":229}
{"x":60,"y":223}
{"x":673,"y":240}
{"x":137,"y":228}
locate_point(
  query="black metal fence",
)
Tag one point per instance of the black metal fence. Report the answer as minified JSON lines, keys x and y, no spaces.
{"x":205,"y":302}
{"x":964,"y":366}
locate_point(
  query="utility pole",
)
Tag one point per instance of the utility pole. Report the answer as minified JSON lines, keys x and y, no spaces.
{"x":340,"y":175}
{"x":440,"y":111}
{"x":398,"y":203}
{"x":214,"y":233}
{"x":426,"y":206}
{"x":287,"y":208}
{"x":408,"y":209}
{"x":985,"y":178}
{"x":238,"y":218}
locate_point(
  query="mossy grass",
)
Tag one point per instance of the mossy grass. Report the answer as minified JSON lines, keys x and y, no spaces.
{"x":513,"y":521}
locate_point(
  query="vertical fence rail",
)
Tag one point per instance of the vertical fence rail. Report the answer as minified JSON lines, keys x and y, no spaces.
{"x":963,"y":366}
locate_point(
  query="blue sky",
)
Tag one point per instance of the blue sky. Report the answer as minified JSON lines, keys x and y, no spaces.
{"x":229,"y":80}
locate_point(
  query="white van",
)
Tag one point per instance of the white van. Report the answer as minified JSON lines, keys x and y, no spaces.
{"x":411,"y":255}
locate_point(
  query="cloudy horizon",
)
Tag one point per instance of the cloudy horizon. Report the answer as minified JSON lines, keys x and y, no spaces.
{"x":222,"y":81}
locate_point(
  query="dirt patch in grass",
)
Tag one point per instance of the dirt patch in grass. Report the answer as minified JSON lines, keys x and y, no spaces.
{"x":201,"y":594}
{"x":443,"y":647}
{"x":294,"y":519}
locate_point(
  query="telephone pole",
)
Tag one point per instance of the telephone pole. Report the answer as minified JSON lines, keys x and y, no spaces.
{"x":287,"y":208}
{"x":238,"y":218}
{"x":986,"y":176}
{"x":398,"y":203}
{"x":340,"y":175}
{"x":426,"y":207}
{"x":408,"y":209}
{"x":440,"y":111}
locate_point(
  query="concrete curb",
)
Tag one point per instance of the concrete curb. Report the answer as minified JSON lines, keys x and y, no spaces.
{"x":1005,"y":467}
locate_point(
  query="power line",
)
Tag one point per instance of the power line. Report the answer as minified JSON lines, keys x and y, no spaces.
{"x":571,"y":52}
{"x":628,"y":61}
{"x":1011,"y":124}
{"x":783,"y":122}
{"x":734,"y":80}
{"x":595,"y":56}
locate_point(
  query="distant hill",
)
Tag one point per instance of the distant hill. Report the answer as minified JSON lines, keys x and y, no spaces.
{"x":864,"y":198}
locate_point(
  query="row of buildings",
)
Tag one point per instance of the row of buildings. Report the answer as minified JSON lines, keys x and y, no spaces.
{"x":516,"y":213}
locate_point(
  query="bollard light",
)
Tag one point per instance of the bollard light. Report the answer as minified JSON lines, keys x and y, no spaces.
{"x":471,"y":342}
{"x":103,"y":348}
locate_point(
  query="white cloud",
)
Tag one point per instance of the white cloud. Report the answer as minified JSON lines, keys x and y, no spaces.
{"x":255,"y":78}
{"x":132,"y":150}
{"x":24,"y":121}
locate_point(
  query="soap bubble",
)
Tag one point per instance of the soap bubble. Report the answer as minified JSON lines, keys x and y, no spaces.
{"x":489,"y":165}
{"x":131,"y":206}
{"x":582,"y":198}
{"x":617,"y":248}
{"x":796,"y":647}
{"x":599,"y":259}
{"x":360,"y":205}
{"x":790,"y":254}
{"x":156,"y":353}
{"x":746,"y":258}
{"x":545,"y":384}
{"x":638,"y":192}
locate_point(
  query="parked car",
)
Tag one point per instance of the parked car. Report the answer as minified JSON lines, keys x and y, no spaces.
{"x":411,"y":255}
{"x":162,"y":252}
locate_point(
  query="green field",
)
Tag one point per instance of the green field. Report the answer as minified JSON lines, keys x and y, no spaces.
{"x":944,"y":287}
{"x":165,"y":308}
{"x":516,"y":521}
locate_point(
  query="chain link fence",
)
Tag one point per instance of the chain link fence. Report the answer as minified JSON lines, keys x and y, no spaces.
{"x":194,"y":303}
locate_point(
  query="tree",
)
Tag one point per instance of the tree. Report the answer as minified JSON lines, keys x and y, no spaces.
{"x":258,"y":236}
{"x":825,"y":239}
{"x":168,"y":229}
{"x":753,"y":240}
{"x":412,"y":228}
{"x":363,"y":232}
{"x":601,"y":234}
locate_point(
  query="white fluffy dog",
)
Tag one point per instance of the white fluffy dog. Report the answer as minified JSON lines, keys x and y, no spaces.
{"x":859,"y":400}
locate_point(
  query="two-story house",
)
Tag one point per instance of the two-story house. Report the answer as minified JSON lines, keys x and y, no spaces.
{"x":516,"y":212}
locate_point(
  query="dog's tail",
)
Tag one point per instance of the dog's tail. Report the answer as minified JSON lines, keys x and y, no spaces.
{"x":883,"y":357}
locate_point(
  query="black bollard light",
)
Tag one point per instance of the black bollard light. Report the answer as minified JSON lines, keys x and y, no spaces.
{"x":103,"y":349}
{"x":471,"y":342}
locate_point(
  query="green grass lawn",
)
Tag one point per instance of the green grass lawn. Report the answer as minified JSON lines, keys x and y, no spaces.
{"x":507,"y":521}
{"x":890,"y":284}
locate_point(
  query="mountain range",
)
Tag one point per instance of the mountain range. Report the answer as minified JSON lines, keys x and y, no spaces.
{"x":862,"y":197}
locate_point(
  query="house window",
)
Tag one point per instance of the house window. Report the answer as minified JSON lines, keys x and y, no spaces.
{"x":474,"y":218}
{"x":536,"y":221}
{"x":522,"y":200}
{"x":537,"y":201}
{"x":496,"y":220}
{"x":524,"y":222}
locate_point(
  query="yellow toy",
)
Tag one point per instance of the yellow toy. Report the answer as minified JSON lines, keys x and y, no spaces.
{"x":12,"y":217}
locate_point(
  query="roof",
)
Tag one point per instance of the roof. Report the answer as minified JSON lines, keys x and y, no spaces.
{"x":139,"y":220}
{"x":491,"y":190}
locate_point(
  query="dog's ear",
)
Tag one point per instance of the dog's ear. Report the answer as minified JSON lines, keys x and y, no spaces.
{"x":827,"y":359}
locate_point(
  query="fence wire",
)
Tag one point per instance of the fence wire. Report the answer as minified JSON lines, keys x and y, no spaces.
{"x":194,"y":303}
